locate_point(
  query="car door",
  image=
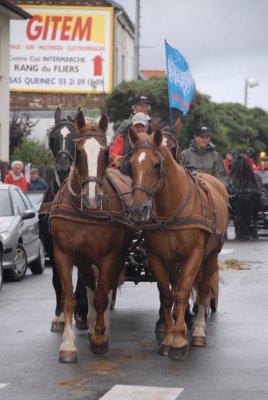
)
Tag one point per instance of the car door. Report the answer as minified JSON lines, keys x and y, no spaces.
{"x":28,"y":227}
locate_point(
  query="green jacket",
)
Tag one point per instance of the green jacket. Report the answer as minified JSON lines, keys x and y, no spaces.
{"x":207,"y":160}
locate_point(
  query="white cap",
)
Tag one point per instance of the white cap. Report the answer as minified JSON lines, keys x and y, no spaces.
{"x":140,"y":118}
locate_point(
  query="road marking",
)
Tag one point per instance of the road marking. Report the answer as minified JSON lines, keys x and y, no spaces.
{"x":227,"y":251}
{"x":123,"y":392}
{"x":3,"y":385}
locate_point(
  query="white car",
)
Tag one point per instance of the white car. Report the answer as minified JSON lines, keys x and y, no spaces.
{"x":19,"y":229}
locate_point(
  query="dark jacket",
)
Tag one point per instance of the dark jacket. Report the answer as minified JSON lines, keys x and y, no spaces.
{"x":39,"y":184}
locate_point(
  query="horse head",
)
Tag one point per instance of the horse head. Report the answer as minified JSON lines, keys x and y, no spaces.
{"x":91,"y":161}
{"x":147,"y":165}
{"x":242,"y":177}
{"x":61,"y":144}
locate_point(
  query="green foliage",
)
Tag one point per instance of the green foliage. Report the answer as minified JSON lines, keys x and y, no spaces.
{"x":34,"y":152}
{"x":20,"y":127}
{"x":233,"y":125}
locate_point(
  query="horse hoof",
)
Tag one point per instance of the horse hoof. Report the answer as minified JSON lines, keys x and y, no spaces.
{"x":57,"y":326}
{"x":99,"y":349}
{"x":68,"y":357}
{"x":164,"y":350}
{"x":81,"y":325}
{"x":178,"y":353}
{"x":89,"y":336}
{"x":198,"y":341}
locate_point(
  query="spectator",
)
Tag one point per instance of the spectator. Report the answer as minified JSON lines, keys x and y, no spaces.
{"x":36,"y":182}
{"x":16,"y":177}
{"x":227,"y":162}
{"x":202,"y":155}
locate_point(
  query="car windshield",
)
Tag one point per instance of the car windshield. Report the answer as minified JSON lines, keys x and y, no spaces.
{"x":36,"y":199}
{"x":5,"y":207}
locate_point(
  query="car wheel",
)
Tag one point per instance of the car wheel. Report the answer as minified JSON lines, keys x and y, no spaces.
{"x":1,"y":271}
{"x":38,"y":266}
{"x":19,"y":271}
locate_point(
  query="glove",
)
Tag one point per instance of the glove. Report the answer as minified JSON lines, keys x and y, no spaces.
{"x":118,"y":161}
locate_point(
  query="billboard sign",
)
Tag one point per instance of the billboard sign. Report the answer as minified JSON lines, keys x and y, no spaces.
{"x":62,"y":49}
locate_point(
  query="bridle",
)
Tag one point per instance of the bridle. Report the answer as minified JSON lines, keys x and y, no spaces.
{"x":160,"y":182}
{"x":61,"y":151}
{"x":74,"y":168}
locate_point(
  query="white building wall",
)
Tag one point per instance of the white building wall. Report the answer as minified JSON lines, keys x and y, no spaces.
{"x":123,"y":50}
{"x":4,"y":88}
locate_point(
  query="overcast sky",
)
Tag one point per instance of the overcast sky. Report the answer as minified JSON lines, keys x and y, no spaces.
{"x":223,"y":41}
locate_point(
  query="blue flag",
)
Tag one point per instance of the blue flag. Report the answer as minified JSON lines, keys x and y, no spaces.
{"x":180,"y":81}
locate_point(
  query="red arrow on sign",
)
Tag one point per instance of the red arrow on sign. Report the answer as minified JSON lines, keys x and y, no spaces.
{"x":97,"y":65}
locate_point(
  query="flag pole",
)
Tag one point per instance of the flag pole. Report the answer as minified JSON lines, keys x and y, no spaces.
{"x":170,"y":109}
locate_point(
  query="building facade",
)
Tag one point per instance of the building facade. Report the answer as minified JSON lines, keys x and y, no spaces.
{"x":8,"y":12}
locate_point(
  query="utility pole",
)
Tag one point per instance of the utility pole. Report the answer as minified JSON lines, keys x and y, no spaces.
{"x":137,"y":41}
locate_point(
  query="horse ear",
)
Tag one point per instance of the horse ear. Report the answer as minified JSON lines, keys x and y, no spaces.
{"x":133,"y":137}
{"x":158,"y":137}
{"x":80,"y":120}
{"x":154,"y":123}
{"x":57,"y":116}
{"x":177,"y":126}
{"x":103,"y":123}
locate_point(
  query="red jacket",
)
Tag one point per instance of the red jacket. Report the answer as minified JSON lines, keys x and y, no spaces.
{"x":117,"y":147}
{"x":22,"y":183}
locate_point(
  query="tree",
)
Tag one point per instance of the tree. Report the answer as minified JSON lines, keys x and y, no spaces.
{"x":20,"y":127}
{"x":34,"y":152}
{"x":233,"y":125}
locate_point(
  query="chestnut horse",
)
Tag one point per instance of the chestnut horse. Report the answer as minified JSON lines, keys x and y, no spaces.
{"x":184,"y":219}
{"x":86,"y":223}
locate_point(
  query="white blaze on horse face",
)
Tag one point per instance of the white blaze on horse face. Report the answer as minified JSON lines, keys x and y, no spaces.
{"x":64,"y":132}
{"x":92,"y":149}
{"x":141,"y":158}
{"x":164,"y":141}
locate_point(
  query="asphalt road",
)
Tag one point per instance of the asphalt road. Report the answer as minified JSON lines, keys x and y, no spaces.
{"x":233,"y":366}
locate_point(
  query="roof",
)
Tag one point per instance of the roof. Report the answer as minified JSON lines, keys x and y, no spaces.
{"x":147,"y":74}
{"x":12,"y":11}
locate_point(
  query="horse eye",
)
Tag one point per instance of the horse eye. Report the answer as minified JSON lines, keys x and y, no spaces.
{"x":157,"y":166}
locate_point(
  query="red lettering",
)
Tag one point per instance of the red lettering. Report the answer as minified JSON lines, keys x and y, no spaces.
{"x":82,"y":31}
{"x":35,"y":32}
{"x":55,"y":21}
{"x":65,"y":28}
{"x":47,"y":28}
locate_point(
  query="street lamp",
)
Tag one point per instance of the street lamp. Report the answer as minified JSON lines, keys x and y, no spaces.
{"x":249,"y":83}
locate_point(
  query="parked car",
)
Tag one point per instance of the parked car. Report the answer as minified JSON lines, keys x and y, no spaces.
{"x":1,"y":262}
{"x":19,"y":228}
{"x":36,"y":198}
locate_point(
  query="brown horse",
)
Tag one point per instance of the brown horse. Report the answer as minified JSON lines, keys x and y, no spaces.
{"x":184,"y":218}
{"x":86,"y":224}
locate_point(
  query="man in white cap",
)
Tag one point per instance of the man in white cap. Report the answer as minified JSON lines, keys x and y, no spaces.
{"x":121,"y":146}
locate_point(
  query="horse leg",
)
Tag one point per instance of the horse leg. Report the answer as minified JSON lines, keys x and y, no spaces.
{"x":209,"y":269}
{"x":81,"y":309}
{"x":184,"y":284}
{"x":109,"y":271}
{"x":64,"y":262}
{"x":166,"y":300}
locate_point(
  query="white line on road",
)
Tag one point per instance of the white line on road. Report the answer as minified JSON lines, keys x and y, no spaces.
{"x":3,"y":385}
{"x":123,"y":392}
{"x":227,"y":251}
